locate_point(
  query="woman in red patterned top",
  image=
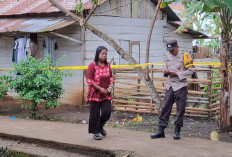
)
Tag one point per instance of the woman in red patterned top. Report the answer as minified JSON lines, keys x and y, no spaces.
{"x":100,"y":81}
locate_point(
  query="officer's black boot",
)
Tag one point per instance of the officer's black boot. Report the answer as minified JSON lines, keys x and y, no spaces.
{"x":176,"y":135}
{"x":159,"y":134}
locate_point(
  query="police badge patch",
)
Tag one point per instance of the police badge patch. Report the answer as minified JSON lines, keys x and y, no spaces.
{"x":188,"y":62}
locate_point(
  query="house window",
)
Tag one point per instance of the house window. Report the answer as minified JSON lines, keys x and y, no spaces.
{"x":135,"y":50}
{"x":125,"y":44}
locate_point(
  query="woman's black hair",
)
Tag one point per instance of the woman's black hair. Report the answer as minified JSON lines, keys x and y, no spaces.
{"x":98,"y":51}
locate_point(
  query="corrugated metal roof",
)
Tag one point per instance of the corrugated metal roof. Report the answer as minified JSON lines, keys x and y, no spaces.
{"x":170,"y":13}
{"x":188,"y":30}
{"x":177,"y":7}
{"x":14,"y":7}
{"x":33,"y":25}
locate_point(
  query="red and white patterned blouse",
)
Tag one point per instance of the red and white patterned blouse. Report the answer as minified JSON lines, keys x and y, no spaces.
{"x":101,"y":76}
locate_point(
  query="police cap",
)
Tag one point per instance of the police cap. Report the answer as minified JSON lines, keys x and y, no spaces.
{"x":171,"y":45}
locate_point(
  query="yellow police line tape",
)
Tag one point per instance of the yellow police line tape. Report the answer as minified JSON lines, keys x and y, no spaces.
{"x":125,"y":66}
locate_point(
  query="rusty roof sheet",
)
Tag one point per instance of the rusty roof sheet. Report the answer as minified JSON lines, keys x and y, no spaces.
{"x":15,"y":7}
{"x":33,"y":25}
{"x":177,"y":7}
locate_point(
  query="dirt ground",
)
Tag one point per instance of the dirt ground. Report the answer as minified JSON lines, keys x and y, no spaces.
{"x":32,"y":150}
{"x":193,"y":127}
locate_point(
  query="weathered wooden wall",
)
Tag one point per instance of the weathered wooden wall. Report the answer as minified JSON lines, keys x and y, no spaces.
{"x":124,"y":31}
{"x":128,"y":26}
{"x":74,"y":57}
{"x":129,"y":9}
{"x":184,"y":40}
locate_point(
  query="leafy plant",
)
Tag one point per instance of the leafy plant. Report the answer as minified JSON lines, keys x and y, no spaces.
{"x":130,"y":99}
{"x":4,"y":152}
{"x":216,"y":72}
{"x":203,"y":106}
{"x":79,"y":7}
{"x":94,"y":1}
{"x":38,"y":81}
{"x":4,"y":83}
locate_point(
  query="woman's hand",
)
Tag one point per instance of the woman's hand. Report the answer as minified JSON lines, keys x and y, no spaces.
{"x":102,"y":90}
{"x":109,"y":89}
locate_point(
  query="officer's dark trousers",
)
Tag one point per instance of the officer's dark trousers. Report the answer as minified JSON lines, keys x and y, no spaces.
{"x":180,"y":97}
{"x":99,"y":114}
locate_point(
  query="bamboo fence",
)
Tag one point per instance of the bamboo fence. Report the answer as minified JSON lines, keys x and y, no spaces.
{"x":131,"y":95}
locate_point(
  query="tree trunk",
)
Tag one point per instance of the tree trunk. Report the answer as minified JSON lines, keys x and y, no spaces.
{"x":33,"y":110}
{"x":153,"y":92}
{"x":225,"y":97}
{"x":149,"y":37}
{"x":226,"y":17}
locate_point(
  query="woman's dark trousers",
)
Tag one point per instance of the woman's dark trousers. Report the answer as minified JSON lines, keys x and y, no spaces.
{"x":99,"y":114}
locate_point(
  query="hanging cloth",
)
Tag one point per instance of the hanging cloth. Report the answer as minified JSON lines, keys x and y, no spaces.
{"x":50,"y":45}
{"x":21,"y":48}
{"x":15,"y":52}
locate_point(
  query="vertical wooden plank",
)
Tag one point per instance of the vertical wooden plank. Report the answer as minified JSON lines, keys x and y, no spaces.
{"x":113,"y":5}
{"x":126,"y":10}
{"x":210,"y":74}
{"x":134,"y":9}
{"x":125,"y":44}
{"x":135,"y":50}
{"x":83,"y":52}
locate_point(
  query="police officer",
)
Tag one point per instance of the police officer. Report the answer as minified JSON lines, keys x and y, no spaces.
{"x":178,"y":66}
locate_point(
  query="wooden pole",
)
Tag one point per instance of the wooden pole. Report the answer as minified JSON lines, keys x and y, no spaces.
{"x":66,"y":37}
{"x":149,"y":37}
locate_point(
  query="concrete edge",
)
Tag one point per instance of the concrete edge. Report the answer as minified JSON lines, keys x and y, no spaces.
{"x":85,"y":150}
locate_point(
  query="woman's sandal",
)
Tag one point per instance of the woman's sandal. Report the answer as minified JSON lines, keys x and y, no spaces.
{"x":97,"y":137}
{"x":103,"y":132}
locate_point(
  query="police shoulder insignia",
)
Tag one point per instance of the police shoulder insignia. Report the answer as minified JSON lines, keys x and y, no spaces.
{"x":187,"y":60}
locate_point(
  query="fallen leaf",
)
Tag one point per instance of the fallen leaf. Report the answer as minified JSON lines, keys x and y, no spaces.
{"x":138,"y":119}
{"x":214,"y":136}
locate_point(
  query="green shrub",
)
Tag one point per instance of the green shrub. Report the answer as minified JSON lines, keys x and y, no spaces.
{"x":38,"y":82}
{"x":4,"y":85}
{"x":216,"y":72}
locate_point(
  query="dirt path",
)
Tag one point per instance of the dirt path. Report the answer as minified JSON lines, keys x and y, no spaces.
{"x":118,"y":139}
{"x":193,"y":127}
{"x":35,"y":149}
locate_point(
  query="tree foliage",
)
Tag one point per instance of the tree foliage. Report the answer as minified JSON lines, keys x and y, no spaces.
{"x":208,"y":8}
{"x":207,"y":5}
{"x":4,"y":81}
{"x":79,"y":5}
{"x":37,"y":81}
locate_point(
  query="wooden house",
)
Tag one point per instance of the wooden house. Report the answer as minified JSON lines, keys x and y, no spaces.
{"x":126,"y":22}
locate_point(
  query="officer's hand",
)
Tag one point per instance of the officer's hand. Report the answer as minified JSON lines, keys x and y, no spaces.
{"x":173,"y":74}
{"x":166,"y":71}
